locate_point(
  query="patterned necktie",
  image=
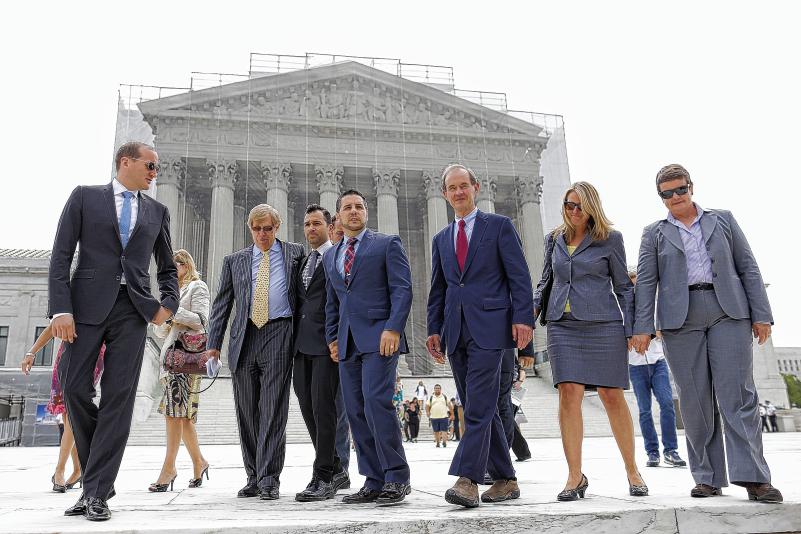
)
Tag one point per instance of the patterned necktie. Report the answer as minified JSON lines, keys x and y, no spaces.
{"x":461,"y":245}
{"x":125,"y":218}
{"x":350,"y":255}
{"x":308,"y":272}
{"x":261,"y":298}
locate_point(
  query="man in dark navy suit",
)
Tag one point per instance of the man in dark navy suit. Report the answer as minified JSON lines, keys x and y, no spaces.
{"x":108,"y":301}
{"x":480,"y":304}
{"x":369,"y":299}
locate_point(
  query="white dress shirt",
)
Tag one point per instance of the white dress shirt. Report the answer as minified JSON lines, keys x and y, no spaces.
{"x":654,"y":353}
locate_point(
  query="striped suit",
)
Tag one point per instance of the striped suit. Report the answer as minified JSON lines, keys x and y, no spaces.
{"x":260,"y":360}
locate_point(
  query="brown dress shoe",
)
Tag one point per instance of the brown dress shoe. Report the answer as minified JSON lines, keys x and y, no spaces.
{"x":501,"y":490}
{"x":705,"y":490}
{"x":464,"y":493}
{"x":763,"y":492}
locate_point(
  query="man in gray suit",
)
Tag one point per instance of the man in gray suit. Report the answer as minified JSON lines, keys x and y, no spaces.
{"x":711,"y":300}
{"x":260,"y":281}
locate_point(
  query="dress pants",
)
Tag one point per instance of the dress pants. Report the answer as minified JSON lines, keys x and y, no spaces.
{"x":102,"y":432}
{"x":712,"y":364}
{"x":505,"y":408}
{"x":476,"y":372}
{"x":519,"y":443}
{"x":316,"y":382}
{"x":261,"y":383}
{"x":343,"y":433}
{"x":368,"y":384}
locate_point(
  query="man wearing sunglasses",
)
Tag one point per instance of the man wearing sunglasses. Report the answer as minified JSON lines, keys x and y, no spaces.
{"x":711,"y":300}
{"x":108,"y":301}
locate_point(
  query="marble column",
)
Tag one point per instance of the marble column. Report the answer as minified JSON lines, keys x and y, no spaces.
{"x":437,"y":214}
{"x":386,"y":184}
{"x":223,"y":174}
{"x":240,"y":223}
{"x":277,"y":177}
{"x":169,"y":190}
{"x":485,"y":200}
{"x":199,"y":246}
{"x":329,"y":184}
{"x":529,"y":189}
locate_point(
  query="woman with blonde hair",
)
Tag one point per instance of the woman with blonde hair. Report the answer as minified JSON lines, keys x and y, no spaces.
{"x":589,"y":311}
{"x":179,"y":403}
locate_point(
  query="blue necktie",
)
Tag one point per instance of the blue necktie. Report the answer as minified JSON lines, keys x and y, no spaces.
{"x":125,"y":217}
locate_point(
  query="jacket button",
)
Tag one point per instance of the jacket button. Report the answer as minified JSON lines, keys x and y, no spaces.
{"x":303,"y":316}
{"x":348,"y":291}
{"x":118,"y":278}
{"x":714,"y":275}
{"x":122,"y":257}
{"x":461,"y":285}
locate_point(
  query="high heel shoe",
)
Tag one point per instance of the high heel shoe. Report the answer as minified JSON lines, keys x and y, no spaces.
{"x":159,"y":488}
{"x":575,"y":493}
{"x":196,"y":482}
{"x":58,"y":488}
{"x":71,"y":485}
{"x":638,"y":490}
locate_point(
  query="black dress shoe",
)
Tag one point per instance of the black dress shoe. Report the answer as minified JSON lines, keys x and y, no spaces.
{"x":97,"y":509}
{"x":251,"y":490}
{"x":574,"y":493}
{"x":364,"y":495}
{"x":79,"y":508}
{"x":269,"y":493}
{"x":341,"y":480}
{"x":321,"y":491}
{"x":58,"y":488}
{"x":393,"y":493}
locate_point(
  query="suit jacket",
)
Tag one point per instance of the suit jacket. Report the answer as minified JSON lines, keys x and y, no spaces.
{"x":310,"y":311}
{"x":235,"y":289}
{"x":595,"y":279}
{"x":378,"y":297}
{"x":662,"y":267}
{"x":90,"y":218}
{"x":493,"y":292}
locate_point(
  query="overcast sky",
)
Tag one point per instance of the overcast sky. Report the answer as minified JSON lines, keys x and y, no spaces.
{"x":712,"y":85}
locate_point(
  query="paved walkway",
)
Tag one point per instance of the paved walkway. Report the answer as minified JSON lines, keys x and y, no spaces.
{"x":28,"y":505}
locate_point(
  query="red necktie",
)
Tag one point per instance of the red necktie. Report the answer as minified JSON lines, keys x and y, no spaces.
{"x":461,"y":245}
{"x":350,"y":256}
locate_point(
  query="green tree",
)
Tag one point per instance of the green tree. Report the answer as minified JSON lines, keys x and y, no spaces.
{"x":793,"y":389}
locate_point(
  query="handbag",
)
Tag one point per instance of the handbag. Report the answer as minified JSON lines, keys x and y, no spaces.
{"x":191,"y":357}
{"x":546,"y":290}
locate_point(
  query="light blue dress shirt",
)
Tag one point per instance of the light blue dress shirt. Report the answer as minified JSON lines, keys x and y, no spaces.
{"x":344,"y":247}
{"x":699,"y":265}
{"x":278,"y":298}
{"x":469,"y":222}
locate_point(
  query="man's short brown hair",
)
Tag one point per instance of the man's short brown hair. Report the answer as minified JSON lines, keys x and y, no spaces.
{"x":674,"y":171}
{"x":131,"y":149}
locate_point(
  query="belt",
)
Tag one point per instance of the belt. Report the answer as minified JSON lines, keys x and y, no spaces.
{"x":276,"y":320}
{"x":703,"y":286}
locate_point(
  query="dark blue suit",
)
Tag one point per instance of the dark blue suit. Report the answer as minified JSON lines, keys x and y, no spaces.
{"x":378,"y":297}
{"x":473,"y":311}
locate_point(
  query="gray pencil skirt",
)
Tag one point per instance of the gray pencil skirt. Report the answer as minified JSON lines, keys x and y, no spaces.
{"x":591,"y":353}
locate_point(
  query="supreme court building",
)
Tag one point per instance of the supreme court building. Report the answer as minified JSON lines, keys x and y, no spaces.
{"x":299,"y":129}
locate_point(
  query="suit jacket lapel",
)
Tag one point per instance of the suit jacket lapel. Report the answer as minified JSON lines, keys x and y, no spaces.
{"x":586,"y":242}
{"x":450,"y":250}
{"x":708,"y":222}
{"x":246,"y":267}
{"x":479,"y":227}
{"x":141,"y":214}
{"x":367,"y":240}
{"x":671,"y":233}
{"x":108,"y":194}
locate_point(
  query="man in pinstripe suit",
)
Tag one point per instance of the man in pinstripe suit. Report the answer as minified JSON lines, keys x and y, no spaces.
{"x":260,"y":281}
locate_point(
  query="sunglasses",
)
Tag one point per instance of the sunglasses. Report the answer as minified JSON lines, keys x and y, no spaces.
{"x":572,"y":206}
{"x":257,"y":229}
{"x":668,"y":193}
{"x":150,"y":165}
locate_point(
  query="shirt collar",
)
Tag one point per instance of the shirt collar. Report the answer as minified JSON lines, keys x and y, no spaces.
{"x":120,"y":189}
{"x":275,"y":248}
{"x":699,"y":211}
{"x":359,"y":237}
{"x":322,"y":248}
{"x":469,"y":217}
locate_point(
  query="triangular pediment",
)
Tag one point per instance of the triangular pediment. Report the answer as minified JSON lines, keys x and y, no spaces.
{"x":346,"y":92}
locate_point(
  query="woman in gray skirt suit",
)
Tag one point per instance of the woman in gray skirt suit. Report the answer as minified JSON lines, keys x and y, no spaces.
{"x":589,"y":313}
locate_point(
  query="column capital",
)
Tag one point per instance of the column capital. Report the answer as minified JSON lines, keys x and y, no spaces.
{"x":386,"y":181}
{"x":277,"y":175}
{"x":223,"y":173}
{"x":489,"y":187}
{"x":172,"y":171}
{"x":529,"y":188}
{"x":432,"y":184}
{"x":329,"y":178}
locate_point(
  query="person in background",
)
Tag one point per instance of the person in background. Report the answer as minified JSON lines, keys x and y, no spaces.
{"x":770,"y":410}
{"x":437,"y":410}
{"x":763,"y":415}
{"x":412,"y":416}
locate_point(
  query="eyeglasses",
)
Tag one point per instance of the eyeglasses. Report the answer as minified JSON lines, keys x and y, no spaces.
{"x":150,"y":165}
{"x":257,"y":229}
{"x":572,"y":206}
{"x":668,"y":193}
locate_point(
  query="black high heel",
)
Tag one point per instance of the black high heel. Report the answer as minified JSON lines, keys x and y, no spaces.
{"x":159,"y":488}
{"x":58,"y":488}
{"x":575,"y":493}
{"x":71,"y":485}
{"x":197,"y":482}
{"x":638,"y":490}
